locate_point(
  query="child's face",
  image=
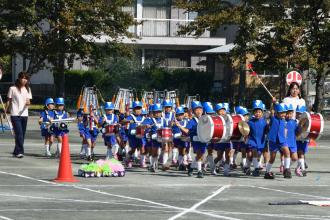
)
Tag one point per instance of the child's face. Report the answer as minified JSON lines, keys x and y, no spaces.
{"x":138,"y":111}
{"x":289,"y":115}
{"x":157,"y":114}
{"x":50,"y":106}
{"x":109,"y":111}
{"x":281,"y":115}
{"x":198,"y":112}
{"x":298,"y":114}
{"x":168,"y":109}
{"x":60,"y":107}
{"x":180,"y":117}
{"x":222,"y":112}
{"x":258,"y":113}
{"x":246,"y":117}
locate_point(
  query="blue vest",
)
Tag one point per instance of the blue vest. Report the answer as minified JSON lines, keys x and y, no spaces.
{"x":277,"y":130}
{"x":292,"y":127}
{"x":176,"y":129}
{"x":257,"y":134}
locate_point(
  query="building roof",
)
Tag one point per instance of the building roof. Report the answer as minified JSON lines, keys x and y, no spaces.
{"x":217,"y":50}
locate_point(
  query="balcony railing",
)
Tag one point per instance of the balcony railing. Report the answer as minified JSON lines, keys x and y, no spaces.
{"x":153,"y":27}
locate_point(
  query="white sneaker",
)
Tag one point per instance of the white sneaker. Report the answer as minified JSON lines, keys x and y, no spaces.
{"x":48,"y":154}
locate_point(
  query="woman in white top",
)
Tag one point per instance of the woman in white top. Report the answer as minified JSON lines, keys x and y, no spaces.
{"x":19,"y":96}
{"x":293,"y":97}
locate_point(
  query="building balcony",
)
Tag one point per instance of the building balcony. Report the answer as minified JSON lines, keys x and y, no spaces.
{"x":153,"y":27}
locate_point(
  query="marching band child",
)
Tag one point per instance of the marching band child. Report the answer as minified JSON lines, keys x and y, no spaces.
{"x":123,"y":136}
{"x":88,"y":131}
{"x":302,"y":147}
{"x":147,"y":134}
{"x":292,"y":130}
{"x":277,"y":141}
{"x":46,"y":116}
{"x":169,"y":117}
{"x":135,"y":120}
{"x":177,"y":138}
{"x":245,"y":149}
{"x":186,"y":117}
{"x":144,"y":151}
{"x":208,"y":110}
{"x":256,"y":139}
{"x":224,"y":147}
{"x":158,"y":123}
{"x":60,"y":131}
{"x":109,"y":139}
{"x":199,"y":147}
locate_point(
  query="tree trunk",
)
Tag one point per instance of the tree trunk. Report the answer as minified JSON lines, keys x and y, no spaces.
{"x":318,"y":104}
{"x":242,"y":82}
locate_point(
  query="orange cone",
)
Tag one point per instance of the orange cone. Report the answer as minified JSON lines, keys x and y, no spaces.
{"x":65,"y":170}
{"x":312,"y":143}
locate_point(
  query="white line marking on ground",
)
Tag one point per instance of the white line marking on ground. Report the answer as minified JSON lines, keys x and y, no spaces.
{"x":119,"y":196}
{"x":293,"y":193}
{"x":194,"y":207}
{"x":271,"y":215}
{"x":3,"y":217}
{"x":76,"y":200}
{"x":85,"y":210}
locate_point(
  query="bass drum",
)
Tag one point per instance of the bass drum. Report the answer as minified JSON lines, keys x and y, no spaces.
{"x":312,"y":126}
{"x":211,"y":128}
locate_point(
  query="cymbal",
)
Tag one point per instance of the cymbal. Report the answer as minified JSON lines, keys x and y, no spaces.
{"x":243,"y":128}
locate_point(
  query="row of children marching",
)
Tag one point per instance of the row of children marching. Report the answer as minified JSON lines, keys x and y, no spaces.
{"x":267,"y":137}
{"x":50,"y":132}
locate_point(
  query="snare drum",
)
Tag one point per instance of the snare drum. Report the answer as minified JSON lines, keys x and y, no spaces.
{"x":235,"y":134}
{"x":109,"y":130}
{"x":312,"y":125}
{"x":164,"y":135}
{"x":211,"y":128}
{"x":140,"y":131}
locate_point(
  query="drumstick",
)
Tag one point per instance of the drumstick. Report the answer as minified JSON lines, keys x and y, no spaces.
{"x":254,"y":73}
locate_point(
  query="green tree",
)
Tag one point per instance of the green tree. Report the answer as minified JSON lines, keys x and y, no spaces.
{"x":59,"y":31}
{"x":277,"y":33}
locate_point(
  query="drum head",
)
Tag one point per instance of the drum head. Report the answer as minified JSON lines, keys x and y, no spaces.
{"x":305,"y":124}
{"x":205,"y":128}
{"x":244,"y":128}
{"x":229,"y":128}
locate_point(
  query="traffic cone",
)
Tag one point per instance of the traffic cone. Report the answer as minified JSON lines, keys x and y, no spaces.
{"x":312,"y":143}
{"x":65,"y":170}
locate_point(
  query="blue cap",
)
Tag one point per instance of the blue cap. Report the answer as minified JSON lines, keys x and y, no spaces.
{"x":258,"y":104}
{"x":208,"y":108}
{"x":289,"y":107}
{"x":184,"y":107}
{"x":167,"y":103}
{"x":179,"y":110}
{"x":144,"y":111}
{"x":49,"y":101}
{"x":280,"y":107}
{"x":137,"y":104}
{"x":109,"y":106}
{"x":219,"y":106}
{"x":226,"y":105}
{"x":150,"y":107}
{"x":264,"y":107}
{"x":59,"y":101}
{"x":301,"y":109}
{"x":196,"y":104}
{"x":240,"y":110}
{"x":157,"y":107}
